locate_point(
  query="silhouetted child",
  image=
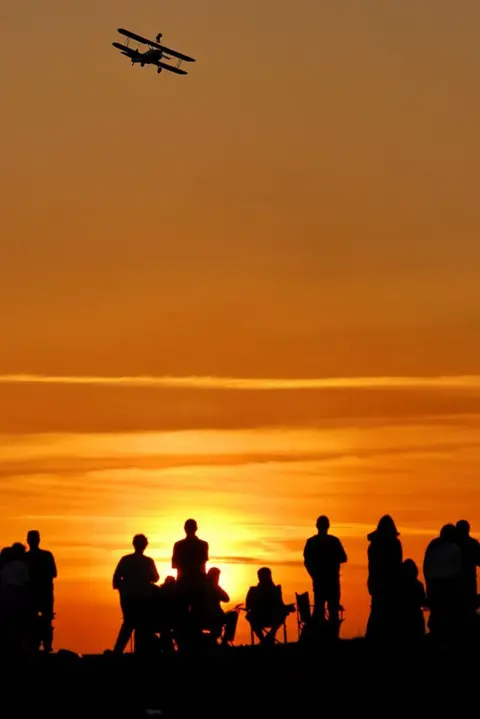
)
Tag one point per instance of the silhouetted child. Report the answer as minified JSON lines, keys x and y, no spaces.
{"x":411,"y":604}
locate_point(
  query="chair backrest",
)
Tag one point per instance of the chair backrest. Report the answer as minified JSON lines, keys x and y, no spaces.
{"x":231,"y":628}
{"x":303,"y":607}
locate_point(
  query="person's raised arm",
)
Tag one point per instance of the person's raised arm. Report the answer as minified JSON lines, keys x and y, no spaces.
{"x":223,"y":596}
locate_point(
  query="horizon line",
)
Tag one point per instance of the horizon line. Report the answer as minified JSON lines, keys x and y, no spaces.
{"x":211,"y":382}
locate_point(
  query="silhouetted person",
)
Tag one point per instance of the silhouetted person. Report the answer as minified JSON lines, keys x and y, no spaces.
{"x":43,"y":572}
{"x":442,"y":568}
{"x":470,"y":549}
{"x":213,"y":617}
{"x":323,"y":555}
{"x":266,"y":608}
{"x":168,"y":611}
{"x":3,"y":556}
{"x":190,"y":555}
{"x":134,"y":578}
{"x":15,"y":605}
{"x":412,"y":601}
{"x":385,"y":557}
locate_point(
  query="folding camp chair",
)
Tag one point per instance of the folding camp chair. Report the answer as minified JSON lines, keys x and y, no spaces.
{"x":304,"y":611}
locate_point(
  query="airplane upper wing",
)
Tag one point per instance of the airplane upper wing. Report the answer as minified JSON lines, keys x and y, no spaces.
{"x":176,"y":70}
{"x":139,"y":38}
{"x":132,"y":36}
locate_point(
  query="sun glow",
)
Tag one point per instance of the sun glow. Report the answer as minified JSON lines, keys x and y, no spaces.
{"x":224,"y":534}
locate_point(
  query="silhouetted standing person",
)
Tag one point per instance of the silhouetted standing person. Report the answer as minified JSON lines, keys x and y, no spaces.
{"x":134,"y":578}
{"x":470,"y":549}
{"x":15,"y":614}
{"x":43,"y":571}
{"x":442,"y":568}
{"x":323,"y":556}
{"x":385,"y":556}
{"x":190,"y":556}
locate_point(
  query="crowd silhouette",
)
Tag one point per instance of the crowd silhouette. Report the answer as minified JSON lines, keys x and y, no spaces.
{"x":26,"y":597}
{"x":186,"y":611}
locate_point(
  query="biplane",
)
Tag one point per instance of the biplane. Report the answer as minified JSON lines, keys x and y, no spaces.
{"x":155,"y":55}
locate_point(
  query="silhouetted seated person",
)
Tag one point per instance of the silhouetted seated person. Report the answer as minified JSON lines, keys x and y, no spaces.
{"x":412,"y":601}
{"x":470,"y":549}
{"x":166,"y":611}
{"x":266,"y":609}
{"x":442,"y":568}
{"x":43,"y":572}
{"x":385,"y":556}
{"x":211,"y":616}
{"x":135,"y":577}
{"x":323,"y":555}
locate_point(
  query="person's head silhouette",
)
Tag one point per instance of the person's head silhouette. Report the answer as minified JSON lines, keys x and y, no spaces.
{"x":140,"y":543}
{"x":323,"y":524}
{"x":191,"y":527}
{"x":386,"y":527}
{"x":214,"y":575}
{"x":463,"y":528}
{"x":33,"y":539}
{"x":18,"y":551}
{"x":410,"y":570}
{"x":448,"y":533}
{"x":265,"y":576}
{"x":169,"y":581}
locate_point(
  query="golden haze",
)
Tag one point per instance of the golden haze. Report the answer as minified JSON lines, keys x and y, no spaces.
{"x":303,"y":205}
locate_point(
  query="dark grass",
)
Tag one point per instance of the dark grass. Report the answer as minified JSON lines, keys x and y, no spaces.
{"x":289,"y":680}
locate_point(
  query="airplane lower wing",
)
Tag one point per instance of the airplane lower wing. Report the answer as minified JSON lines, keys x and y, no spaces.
{"x":124,"y":49}
{"x":176,"y":54}
{"x":176,"y":70}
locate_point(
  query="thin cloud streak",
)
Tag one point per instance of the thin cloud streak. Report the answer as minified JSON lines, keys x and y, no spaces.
{"x":468,"y":382}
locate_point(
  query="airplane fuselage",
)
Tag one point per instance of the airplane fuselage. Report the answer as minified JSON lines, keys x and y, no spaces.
{"x":150,"y":57}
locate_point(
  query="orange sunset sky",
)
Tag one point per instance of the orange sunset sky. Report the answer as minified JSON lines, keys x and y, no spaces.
{"x":249,"y":295}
